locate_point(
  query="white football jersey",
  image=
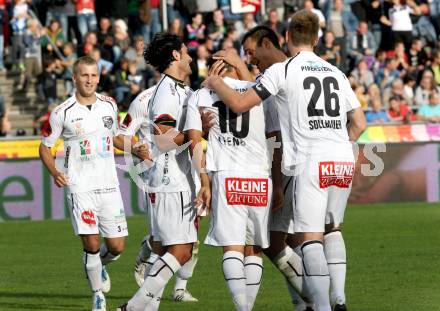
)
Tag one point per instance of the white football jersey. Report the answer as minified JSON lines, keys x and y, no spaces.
{"x":88,"y":142}
{"x":237,"y":142}
{"x":171,"y":171}
{"x":136,"y":121}
{"x":313,"y":98}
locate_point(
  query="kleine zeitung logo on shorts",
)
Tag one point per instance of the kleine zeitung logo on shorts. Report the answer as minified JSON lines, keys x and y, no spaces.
{"x":339,"y":174}
{"x":247,"y":191}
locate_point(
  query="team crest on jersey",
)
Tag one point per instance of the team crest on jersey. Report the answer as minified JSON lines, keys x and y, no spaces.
{"x":108,"y":122}
{"x":247,"y":191}
{"x":127,"y":121}
{"x":88,"y":217}
{"x":339,"y":174}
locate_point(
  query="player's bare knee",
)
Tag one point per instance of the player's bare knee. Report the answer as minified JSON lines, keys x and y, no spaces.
{"x":182,"y":253}
{"x":91,"y":243}
{"x":293,"y":240}
{"x":252,"y":250}
{"x":115,"y":246}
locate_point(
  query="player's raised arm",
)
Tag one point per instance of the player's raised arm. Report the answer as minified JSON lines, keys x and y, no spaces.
{"x":231,"y":57}
{"x":237,"y":102}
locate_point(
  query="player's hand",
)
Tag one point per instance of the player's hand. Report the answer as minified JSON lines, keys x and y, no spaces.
{"x":277,"y":199}
{"x":61,"y":180}
{"x":142,"y":152}
{"x":208,"y":120}
{"x":229,"y":56}
{"x":203,"y":201}
{"x":210,"y":81}
{"x":217,"y":69}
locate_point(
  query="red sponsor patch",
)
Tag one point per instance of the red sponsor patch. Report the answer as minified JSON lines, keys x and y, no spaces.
{"x":152,"y":198}
{"x":247,"y":191}
{"x":127,"y":121}
{"x":339,"y":174}
{"x":88,"y":217}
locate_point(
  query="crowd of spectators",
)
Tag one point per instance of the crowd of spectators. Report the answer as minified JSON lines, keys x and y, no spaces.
{"x":389,"y":49}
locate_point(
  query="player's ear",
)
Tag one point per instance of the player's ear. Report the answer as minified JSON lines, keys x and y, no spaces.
{"x":266,"y":43}
{"x":287,"y":37}
{"x":176,"y":55}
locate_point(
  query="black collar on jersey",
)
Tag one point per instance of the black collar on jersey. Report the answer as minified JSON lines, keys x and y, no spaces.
{"x":178,"y":82}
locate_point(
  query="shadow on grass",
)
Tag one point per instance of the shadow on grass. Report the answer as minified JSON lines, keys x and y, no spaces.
{"x":25,"y":296}
{"x":35,"y":306}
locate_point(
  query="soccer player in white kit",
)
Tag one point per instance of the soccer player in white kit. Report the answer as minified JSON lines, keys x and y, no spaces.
{"x":237,"y":158}
{"x":137,"y":123}
{"x":87,"y":122}
{"x":170,"y":185}
{"x":315,"y":101}
{"x":262,"y":49}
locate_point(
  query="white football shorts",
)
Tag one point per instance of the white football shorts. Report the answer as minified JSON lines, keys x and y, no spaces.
{"x":240,"y":209}
{"x":282,"y":220}
{"x":173,"y":218}
{"x":321,"y":191}
{"x":98,"y":211}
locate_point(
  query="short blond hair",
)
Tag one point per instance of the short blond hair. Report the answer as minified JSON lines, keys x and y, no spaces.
{"x":303,"y":28}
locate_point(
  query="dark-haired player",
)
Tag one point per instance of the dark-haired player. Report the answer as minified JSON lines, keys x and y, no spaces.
{"x":262,"y":49}
{"x":137,"y":123}
{"x":315,"y":101}
{"x":170,"y":185}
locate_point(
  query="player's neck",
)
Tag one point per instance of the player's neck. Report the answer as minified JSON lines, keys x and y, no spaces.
{"x":278,"y":57}
{"x":176,"y":74}
{"x":85,"y":100}
{"x":301,"y":48}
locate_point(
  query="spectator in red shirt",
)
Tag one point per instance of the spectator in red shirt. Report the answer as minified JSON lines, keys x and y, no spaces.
{"x":86,"y":17}
{"x":399,"y":111}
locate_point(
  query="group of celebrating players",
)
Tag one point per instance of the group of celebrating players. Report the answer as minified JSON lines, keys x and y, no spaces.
{"x":275,"y":177}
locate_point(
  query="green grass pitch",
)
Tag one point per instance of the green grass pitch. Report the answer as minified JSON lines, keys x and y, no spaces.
{"x":393,"y":264}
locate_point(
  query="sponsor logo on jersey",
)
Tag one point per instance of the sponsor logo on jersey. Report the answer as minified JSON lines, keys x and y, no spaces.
{"x":106,"y":144}
{"x":127,"y":121}
{"x":339,"y":174}
{"x":78,"y":129}
{"x":247,"y":191}
{"x":315,"y":66}
{"x":88,"y":217}
{"x":85,"y":147}
{"x":108,"y":122}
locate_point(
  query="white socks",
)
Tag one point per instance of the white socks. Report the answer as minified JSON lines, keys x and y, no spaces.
{"x":233,"y":270}
{"x":253,"y":270}
{"x":160,"y":273}
{"x":334,"y":248}
{"x":290,"y":265}
{"x":93,"y":268}
{"x":187,"y":269}
{"x":146,"y":249}
{"x":316,"y":274}
{"x":106,"y":256}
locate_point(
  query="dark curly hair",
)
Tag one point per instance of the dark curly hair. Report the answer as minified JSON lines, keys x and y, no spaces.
{"x":159,"y":53}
